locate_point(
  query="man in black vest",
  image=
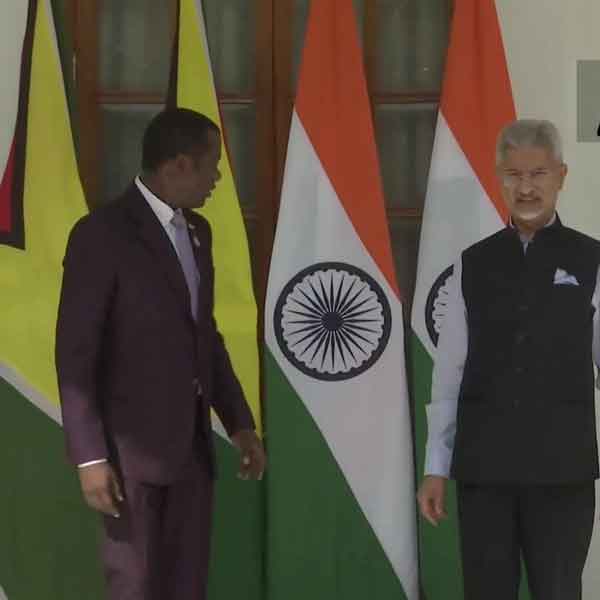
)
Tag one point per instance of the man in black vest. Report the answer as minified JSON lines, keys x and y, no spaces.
{"x":512,"y":416}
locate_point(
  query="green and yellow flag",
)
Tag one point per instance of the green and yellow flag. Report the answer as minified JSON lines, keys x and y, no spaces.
{"x":47,"y":547}
{"x":237,"y":537}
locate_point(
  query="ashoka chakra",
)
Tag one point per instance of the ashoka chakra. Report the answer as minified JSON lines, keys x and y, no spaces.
{"x":332,"y":321}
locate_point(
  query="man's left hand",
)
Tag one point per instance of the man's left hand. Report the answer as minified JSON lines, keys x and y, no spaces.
{"x":253,"y":460}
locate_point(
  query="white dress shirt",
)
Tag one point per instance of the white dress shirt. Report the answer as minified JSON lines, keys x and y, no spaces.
{"x":450,"y":358}
{"x":164,"y":213}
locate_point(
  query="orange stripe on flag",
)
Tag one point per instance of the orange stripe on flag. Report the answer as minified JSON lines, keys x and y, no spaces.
{"x":477,"y":98}
{"x":333,"y":105}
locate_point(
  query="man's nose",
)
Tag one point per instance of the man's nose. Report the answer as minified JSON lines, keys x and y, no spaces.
{"x":524,"y":186}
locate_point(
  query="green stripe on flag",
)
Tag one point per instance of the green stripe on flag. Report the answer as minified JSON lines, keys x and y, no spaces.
{"x":44,"y":524}
{"x":422,"y":367}
{"x":338,"y":556}
{"x":440,"y":556}
{"x":236,"y":569}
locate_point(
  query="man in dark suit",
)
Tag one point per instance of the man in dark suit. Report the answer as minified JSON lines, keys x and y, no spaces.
{"x":140,"y":362}
{"x":512,"y":415}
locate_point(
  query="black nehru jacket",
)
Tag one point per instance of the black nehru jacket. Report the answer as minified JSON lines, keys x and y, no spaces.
{"x":526,"y":405}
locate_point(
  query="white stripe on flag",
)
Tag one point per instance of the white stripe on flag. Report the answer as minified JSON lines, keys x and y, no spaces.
{"x":457,"y":213}
{"x":35,"y":397}
{"x":12,"y":31}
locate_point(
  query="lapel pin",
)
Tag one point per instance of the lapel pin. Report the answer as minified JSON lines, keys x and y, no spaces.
{"x":196,"y":241}
{"x":192,"y":227}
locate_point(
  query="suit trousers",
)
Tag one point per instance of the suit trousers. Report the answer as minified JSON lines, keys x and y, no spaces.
{"x":549,"y":526}
{"x":159,"y":547}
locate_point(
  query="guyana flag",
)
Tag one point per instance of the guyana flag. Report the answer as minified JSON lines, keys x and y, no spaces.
{"x":47,"y":536}
{"x":341,"y":502}
{"x":238,"y":526}
{"x":463,"y":205}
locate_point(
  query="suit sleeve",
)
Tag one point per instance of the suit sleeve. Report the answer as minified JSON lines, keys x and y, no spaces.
{"x":228,"y":398}
{"x":87,"y":287}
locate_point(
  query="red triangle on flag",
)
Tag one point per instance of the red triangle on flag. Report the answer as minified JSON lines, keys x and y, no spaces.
{"x":6,"y":186}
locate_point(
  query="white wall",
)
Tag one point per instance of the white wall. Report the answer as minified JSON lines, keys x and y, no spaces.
{"x":543,"y":41}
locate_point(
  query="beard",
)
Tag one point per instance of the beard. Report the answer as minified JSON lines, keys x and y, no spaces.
{"x":530,"y":215}
{"x":529,"y":210}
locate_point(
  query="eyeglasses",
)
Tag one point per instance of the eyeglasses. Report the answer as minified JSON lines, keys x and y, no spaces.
{"x":538,"y":178}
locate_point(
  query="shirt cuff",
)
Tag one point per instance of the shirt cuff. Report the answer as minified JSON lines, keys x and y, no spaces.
{"x":92,"y":462}
{"x":438,"y":462}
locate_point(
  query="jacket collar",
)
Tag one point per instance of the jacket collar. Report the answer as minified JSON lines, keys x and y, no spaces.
{"x":553,"y":226}
{"x":154,"y":237}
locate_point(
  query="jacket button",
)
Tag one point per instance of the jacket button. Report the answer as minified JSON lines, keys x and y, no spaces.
{"x":519,"y":370}
{"x":523,"y":307}
{"x":520,"y":337}
{"x":197,"y":386}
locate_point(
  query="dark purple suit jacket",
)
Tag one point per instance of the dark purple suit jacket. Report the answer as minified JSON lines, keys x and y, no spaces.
{"x":129,"y":355}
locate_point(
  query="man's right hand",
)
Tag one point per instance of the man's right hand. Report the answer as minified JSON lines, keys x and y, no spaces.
{"x":432,"y":498}
{"x":101,"y":488}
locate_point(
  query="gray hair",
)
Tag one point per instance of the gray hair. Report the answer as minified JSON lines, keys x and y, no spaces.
{"x":529,"y":132}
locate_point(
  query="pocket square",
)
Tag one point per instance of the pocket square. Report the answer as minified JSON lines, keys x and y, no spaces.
{"x":561,"y":277}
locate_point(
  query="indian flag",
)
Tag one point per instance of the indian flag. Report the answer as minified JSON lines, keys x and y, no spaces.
{"x":462,"y":206}
{"x":47,"y":537}
{"x":341,"y":499}
{"x":238,"y":527}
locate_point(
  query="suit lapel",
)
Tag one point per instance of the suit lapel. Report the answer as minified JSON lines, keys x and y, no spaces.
{"x":152,"y":234}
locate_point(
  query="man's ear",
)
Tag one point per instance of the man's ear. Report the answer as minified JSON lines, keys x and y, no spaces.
{"x":564,"y":169}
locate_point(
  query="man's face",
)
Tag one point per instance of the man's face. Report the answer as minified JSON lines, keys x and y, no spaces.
{"x":531,"y":179}
{"x":199,"y":172}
